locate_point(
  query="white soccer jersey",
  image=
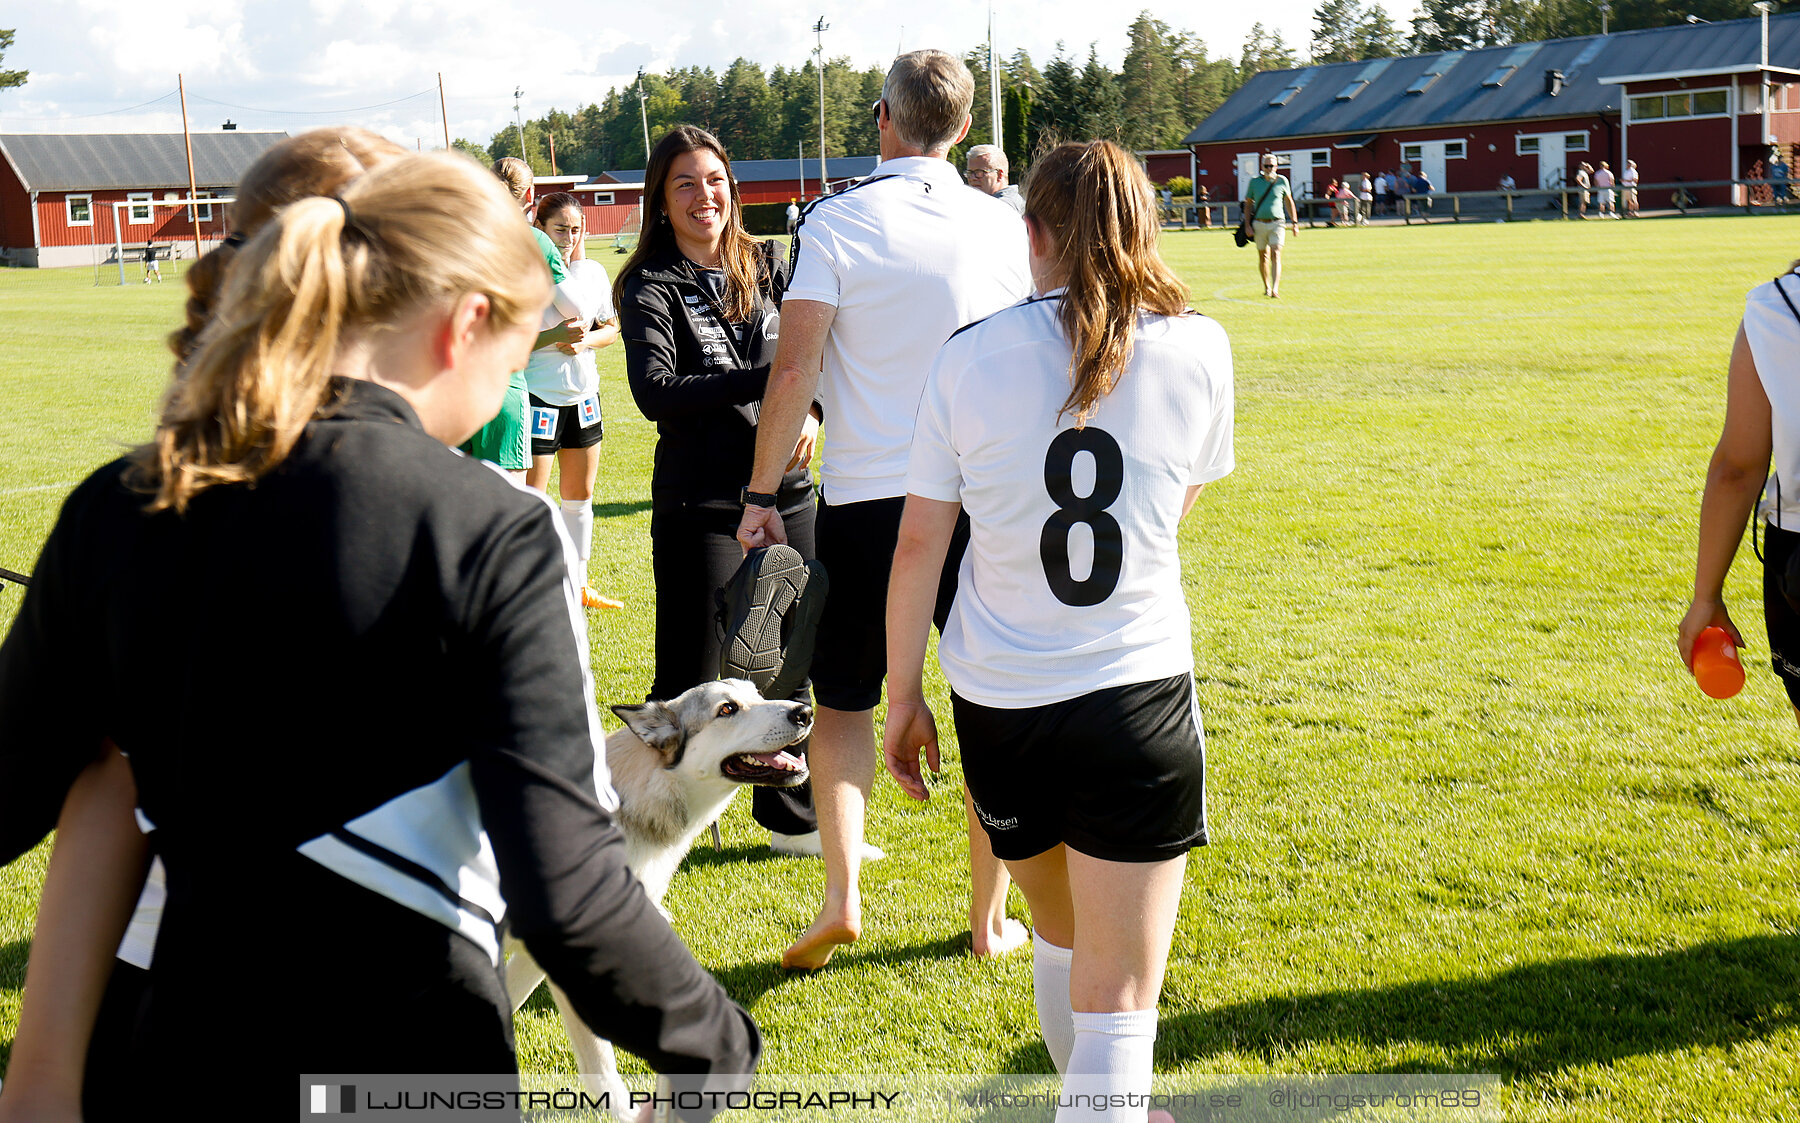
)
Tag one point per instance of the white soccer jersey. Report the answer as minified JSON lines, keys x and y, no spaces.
{"x":1772,"y":329}
{"x":1072,"y":581}
{"x":555,"y":376}
{"x":906,"y":261}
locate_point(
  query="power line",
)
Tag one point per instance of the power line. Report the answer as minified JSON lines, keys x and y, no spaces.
{"x":316,"y":112}
{"x":86,"y":116}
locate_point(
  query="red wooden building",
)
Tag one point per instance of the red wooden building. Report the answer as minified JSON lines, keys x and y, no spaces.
{"x":777,"y":181}
{"x":57,"y":192}
{"x":1700,"y":102}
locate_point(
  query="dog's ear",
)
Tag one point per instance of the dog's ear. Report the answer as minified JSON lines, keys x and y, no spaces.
{"x":655,"y":725}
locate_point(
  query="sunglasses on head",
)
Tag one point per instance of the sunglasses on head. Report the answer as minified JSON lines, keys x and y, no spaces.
{"x":876,"y":110}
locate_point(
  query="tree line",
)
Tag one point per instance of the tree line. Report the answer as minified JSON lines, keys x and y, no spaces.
{"x":1167,"y":83}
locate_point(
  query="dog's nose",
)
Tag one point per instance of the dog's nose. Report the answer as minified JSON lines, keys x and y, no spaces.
{"x":801,"y":714}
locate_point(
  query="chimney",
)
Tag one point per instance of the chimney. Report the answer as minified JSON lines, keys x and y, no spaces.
{"x":1553,"y":82}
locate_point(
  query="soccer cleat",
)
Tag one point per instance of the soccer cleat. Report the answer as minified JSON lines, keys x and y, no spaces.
{"x":770,"y":613}
{"x":594,"y":598}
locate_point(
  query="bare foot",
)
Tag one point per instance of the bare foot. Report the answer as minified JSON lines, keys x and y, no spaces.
{"x":998,"y":939}
{"x":820,"y":942}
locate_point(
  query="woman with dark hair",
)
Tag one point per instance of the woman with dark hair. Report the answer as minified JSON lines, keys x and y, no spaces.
{"x":354,"y":794}
{"x":699,"y":309}
{"x":1076,"y":428}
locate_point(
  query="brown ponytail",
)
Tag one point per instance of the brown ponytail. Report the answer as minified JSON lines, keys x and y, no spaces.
{"x":316,"y":163}
{"x":1094,"y":202}
{"x":418,"y":231}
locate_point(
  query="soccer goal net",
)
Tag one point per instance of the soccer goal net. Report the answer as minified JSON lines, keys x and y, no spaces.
{"x":626,"y":239}
{"x":138,"y":222}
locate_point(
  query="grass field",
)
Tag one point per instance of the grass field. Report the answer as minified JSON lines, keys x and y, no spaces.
{"x":1469,"y":812}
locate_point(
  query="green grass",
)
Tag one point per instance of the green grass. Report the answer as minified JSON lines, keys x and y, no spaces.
{"x":1469,"y":812}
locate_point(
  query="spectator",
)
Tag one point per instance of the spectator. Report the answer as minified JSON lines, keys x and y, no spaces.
{"x":1778,"y":178}
{"x":1603,"y":190}
{"x":1263,"y":203}
{"x":987,"y":173}
{"x":793,"y":216}
{"x":1331,"y":212}
{"x":152,"y":271}
{"x":1420,"y":187}
{"x":1507,"y":183}
{"x":1365,"y":201}
{"x":1583,"y":180}
{"x":1629,"y":179}
{"x":1203,"y":204}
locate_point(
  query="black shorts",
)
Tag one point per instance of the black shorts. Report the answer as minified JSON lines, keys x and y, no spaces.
{"x":1783,"y":622}
{"x":554,"y":427}
{"x":856,"y":544}
{"x":1118,"y":774}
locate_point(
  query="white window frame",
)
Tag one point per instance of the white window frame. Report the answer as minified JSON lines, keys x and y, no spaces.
{"x":1575,"y":142}
{"x":1519,"y":143}
{"x":1412,"y":153}
{"x":131,"y":213}
{"x":1456,"y":150}
{"x":1321,"y":157}
{"x":1690,"y":115}
{"x":202,"y":211}
{"x":69,"y":210}
{"x":603,"y":198}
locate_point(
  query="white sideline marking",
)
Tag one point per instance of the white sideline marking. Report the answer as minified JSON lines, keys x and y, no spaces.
{"x":40,"y":487}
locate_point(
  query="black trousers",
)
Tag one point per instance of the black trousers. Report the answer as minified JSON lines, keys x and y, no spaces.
{"x":694,"y":552}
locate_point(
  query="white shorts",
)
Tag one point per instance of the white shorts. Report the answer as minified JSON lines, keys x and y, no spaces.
{"x":1271,"y":234}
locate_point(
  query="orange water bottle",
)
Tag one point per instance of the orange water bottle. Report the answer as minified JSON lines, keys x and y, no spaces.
{"x":1715,"y":664}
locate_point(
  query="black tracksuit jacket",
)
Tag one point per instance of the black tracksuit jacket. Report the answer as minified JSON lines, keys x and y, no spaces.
{"x":690,"y":374}
{"x":329,"y":685}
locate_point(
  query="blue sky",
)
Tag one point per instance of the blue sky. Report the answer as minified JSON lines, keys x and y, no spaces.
{"x":301,"y":63}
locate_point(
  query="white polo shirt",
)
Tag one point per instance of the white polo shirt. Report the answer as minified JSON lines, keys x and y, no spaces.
{"x":906,"y":261}
{"x":1072,"y":580}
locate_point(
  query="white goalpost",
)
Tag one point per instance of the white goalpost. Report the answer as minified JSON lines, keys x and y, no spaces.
{"x":627,"y":236}
{"x":149,"y":205}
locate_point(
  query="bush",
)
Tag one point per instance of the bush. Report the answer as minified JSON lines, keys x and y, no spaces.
{"x":1180,"y":185}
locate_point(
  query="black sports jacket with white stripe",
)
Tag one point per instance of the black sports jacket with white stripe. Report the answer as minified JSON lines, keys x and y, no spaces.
{"x":356,"y":701}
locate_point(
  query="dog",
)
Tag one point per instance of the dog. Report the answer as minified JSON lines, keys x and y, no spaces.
{"x":676,"y":766}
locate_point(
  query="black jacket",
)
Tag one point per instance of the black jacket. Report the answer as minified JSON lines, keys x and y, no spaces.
{"x":690,"y":374}
{"x":330,"y":684}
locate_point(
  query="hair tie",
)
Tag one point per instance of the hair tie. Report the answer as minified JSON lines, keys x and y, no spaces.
{"x":349,"y":215}
{"x":234,"y":239}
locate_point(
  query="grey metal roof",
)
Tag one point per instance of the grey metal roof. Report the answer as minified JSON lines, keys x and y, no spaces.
{"x":103,"y":161}
{"x":1458,"y":94}
{"x":765,"y":171}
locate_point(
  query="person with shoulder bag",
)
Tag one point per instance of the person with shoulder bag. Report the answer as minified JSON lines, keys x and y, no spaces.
{"x":1263,"y":203}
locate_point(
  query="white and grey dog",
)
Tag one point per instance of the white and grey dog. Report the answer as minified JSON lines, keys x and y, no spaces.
{"x":676,"y":766}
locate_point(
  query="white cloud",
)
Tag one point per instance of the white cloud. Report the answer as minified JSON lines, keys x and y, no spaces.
{"x":322,"y":61}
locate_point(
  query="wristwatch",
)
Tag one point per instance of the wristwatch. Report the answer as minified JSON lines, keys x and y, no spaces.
{"x":748,"y":498}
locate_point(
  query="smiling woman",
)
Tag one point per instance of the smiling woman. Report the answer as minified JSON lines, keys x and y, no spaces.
{"x":699,"y":311}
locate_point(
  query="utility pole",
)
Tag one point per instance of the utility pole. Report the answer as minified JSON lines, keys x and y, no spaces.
{"x":444,"y":111}
{"x":820,"y":29}
{"x":520,"y":122}
{"x":187,"y":141}
{"x":999,"y":129}
{"x":644,"y":115}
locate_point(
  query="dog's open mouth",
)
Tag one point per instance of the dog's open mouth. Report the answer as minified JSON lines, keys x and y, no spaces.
{"x":779,"y":769}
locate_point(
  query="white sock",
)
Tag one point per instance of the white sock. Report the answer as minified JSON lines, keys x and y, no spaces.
{"x":1050,"y":985}
{"x":1113,"y":1055}
{"x":578,"y":517}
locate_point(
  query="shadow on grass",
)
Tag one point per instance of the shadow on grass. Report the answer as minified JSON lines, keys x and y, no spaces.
{"x":12,"y":963}
{"x":1538,"y":1018}
{"x":747,"y":982}
{"x":703,"y":855}
{"x":615,"y":510}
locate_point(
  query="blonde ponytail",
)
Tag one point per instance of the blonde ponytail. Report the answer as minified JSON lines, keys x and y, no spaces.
{"x":417,"y":231}
{"x":1095,"y":204}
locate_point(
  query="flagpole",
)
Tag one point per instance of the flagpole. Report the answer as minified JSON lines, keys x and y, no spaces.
{"x":187,"y":141}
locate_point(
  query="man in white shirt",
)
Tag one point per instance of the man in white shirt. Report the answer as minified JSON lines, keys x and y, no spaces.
{"x":987,"y":173}
{"x":884,"y":273}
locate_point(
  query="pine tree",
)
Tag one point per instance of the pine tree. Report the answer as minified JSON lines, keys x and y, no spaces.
{"x":1100,"y":106}
{"x":1264,"y":51}
{"x":10,"y":78}
{"x":1338,"y":31}
{"x":1149,"y":86}
{"x":1060,"y":116}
